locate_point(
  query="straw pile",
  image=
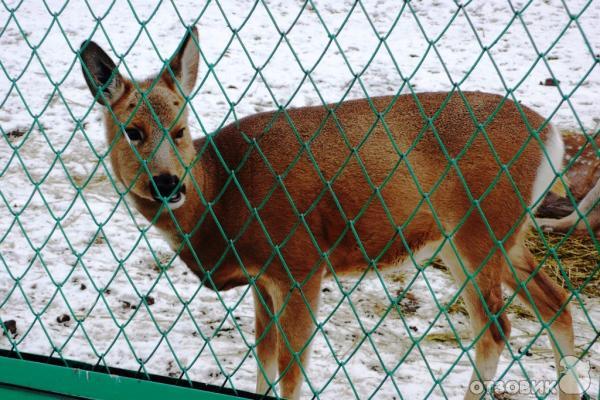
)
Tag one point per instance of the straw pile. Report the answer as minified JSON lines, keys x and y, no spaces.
{"x":577,"y":258}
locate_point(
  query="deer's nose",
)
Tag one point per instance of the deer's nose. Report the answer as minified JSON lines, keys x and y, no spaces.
{"x":165,"y":184}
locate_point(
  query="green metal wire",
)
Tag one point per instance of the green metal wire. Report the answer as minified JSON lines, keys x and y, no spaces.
{"x":539,"y":56}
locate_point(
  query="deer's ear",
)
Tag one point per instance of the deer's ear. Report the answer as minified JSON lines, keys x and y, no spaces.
{"x":184,"y":64}
{"x":101,"y":74}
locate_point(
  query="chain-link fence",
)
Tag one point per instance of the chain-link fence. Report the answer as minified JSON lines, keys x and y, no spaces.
{"x":88,"y":281}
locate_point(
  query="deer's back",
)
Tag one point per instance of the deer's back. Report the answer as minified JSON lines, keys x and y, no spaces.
{"x":372,"y":178}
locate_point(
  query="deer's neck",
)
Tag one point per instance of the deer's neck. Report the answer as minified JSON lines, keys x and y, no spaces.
{"x":192,"y":229}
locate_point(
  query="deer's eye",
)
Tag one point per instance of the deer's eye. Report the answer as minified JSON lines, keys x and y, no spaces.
{"x":133,"y":134}
{"x":179,"y":134}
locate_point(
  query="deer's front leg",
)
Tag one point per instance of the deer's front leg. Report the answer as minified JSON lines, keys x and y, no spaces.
{"x":588,"y":207}
{"x":298,"y":308}
{"x":557,"y":225}
{"x":266,"y":340}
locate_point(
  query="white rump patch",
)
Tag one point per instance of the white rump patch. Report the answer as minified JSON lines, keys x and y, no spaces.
{"x":555,"y":150}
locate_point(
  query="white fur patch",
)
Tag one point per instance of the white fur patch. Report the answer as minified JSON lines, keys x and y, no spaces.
{"x":161,"y":160}
{"x":178,"y":203}
{"x":552,"y":163}
{"x":420,"y":255}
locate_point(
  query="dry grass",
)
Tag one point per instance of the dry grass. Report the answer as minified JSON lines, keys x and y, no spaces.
{"x":577,"y":258}
{"x":441,"y":337}
{"x":515,"y":308}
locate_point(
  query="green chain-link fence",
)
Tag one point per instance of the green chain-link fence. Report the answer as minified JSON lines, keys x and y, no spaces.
{"x":85,"y":277}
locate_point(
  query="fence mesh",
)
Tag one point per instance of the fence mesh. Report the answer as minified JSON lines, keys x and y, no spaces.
{"x":85,"y":276}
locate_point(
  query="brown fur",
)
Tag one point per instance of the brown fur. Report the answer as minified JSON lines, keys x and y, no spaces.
{"x":308,"y":206}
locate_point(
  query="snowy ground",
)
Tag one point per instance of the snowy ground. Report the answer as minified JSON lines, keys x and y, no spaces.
{"x":42,"y":121}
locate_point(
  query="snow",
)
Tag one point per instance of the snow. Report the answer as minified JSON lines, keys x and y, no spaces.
{"x":94,"y":250}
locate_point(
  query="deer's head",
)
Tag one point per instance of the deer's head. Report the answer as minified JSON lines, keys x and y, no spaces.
{"x":146,"y":121}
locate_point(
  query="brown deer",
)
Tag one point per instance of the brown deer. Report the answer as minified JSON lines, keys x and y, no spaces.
{"x":587,"y":214}
{"x":280,"y":200}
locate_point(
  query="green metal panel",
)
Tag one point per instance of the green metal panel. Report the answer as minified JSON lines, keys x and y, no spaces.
{"x":8,"y":392}
{"x":75,"y":382}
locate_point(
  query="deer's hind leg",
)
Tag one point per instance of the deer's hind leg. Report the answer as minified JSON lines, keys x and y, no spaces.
{"x":547,"y":298}
{"x":483,"y":299}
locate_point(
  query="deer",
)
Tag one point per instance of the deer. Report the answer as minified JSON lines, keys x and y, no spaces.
{"x":588,"y":210}
{"x":282,"y":200}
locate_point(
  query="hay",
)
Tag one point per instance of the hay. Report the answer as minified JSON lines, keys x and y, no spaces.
{"x":443,"y":337}
{"x":514,"y":308}
{"x":579,"y":260}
